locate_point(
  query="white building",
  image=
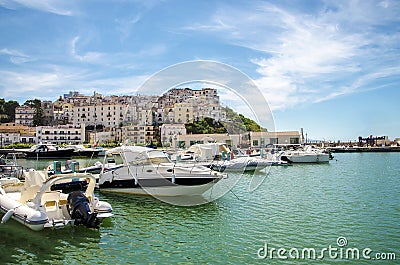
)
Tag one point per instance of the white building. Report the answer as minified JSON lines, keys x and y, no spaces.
{"x":24,"y":115}
{"x":262,"y":139}
{"x":170,"y":132}
{"x":109,"y":115}
{"x":185,"y":141}
{"x":61,"y":134}
{"x":138,"y":134}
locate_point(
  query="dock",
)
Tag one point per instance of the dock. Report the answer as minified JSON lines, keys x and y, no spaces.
{"x":377,"y":149}
{"x":19,"y":153}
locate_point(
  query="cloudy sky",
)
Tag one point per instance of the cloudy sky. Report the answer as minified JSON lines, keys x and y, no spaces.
{"x":330,"y":67}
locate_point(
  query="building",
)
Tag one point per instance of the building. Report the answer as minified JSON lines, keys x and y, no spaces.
{"x":185,"y":141}
{"x":138,"y":134}
{"x":253,"y":140}
{"x":48,"y":112}
{"x":170,"y":132}
{"x":183,"y":112}
{"x":24,"y":115}
{"x":262,"y":139}
{"x":11,"y":133}
{"x":61,"y":134}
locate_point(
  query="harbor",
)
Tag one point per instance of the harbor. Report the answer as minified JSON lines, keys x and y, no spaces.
{"x":305,"y":205}
{"x":199,"y":132}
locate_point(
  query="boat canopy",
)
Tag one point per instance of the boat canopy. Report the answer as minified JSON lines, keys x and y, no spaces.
{"x":208,"y":151}
{"x":139,"y":155}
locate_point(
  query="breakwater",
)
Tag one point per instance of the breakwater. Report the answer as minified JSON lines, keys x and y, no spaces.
{"x":342,"y":149}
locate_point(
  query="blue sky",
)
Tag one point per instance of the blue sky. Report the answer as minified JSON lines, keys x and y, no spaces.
{"x":331,"y":67}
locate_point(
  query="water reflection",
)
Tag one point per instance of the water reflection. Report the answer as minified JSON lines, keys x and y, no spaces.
{"x":22,"y":245}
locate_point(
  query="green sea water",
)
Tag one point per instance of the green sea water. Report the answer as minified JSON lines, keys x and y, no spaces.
{"x":355,"y":198}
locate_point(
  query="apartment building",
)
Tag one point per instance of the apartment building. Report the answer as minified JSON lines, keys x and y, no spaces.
{"x":170,"y":132}
{"x":183,"y":112}
{"x":138,"y":134}
{"x":61,"y":134}
{"x":24,"y":115}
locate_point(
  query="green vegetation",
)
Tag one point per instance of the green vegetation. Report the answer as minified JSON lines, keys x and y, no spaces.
{"x":17,"y":146}
{"x":111,"y":144}
{"x":240,"y":123}
{"x":7,"y":110}
{"x":237,"y":123}
{"x":38,"y":119}
{"x":205,"y":126}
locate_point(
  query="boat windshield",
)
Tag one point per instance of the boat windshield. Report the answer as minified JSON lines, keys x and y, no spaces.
{"x":159,"y":160}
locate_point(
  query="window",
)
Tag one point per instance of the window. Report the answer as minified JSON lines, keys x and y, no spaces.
{"x":255,"y":142}
{"x":273,"y":140}
{"x":294,"y":140}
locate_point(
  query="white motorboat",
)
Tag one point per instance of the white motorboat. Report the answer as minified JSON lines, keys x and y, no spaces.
{"x":9,"y":167}
{"x":308,"y":155}
{"x":218,"y":157}
{"x":81,"y":151}
{"x":72,"y":166}
{"x":40,"y":203}
{"x":147,"y":171}
{"x":240,"y":164}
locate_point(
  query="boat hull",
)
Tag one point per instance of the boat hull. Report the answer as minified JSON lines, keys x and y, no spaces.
{"x":66,"y":153}
{"x":86,"y":153}
{"x":161,"y":191}
{"x":23,"y":214}
{"x":308,"y":158}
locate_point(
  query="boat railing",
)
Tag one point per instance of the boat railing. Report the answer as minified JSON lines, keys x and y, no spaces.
{"x":12,"y":171}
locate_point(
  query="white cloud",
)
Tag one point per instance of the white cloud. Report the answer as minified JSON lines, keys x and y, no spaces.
{"x":49,"y":6}
{"x":124,"y":26}
{"x":88,"y":57}
{"x":16,"y":57}
{"x":312,"y":56}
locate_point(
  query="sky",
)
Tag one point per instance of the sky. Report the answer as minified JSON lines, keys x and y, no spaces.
{"x":330,"y":67}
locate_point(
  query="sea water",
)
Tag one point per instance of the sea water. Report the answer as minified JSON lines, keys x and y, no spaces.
{"x":307,"y":214}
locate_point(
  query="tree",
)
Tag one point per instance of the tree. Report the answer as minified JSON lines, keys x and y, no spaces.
{"x":7,"y":110}
{"x":38,"y":114}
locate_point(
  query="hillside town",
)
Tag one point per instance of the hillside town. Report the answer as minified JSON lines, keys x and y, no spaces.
{"x":96,"y":119}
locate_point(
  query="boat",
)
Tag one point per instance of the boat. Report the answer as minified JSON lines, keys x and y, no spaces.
{"x":71,"y":166}
{"x":82,"y":151}
{"x":240,"y":164}
{"x":49,"y":151}
{"x":40,"y":202}
{"x":217,"y":156}
{"x":9,"y":166}
{"x":147,"y":171}
{"x":308,"y":154}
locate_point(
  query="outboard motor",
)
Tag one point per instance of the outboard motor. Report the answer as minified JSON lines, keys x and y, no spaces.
{"x":78,"y":208}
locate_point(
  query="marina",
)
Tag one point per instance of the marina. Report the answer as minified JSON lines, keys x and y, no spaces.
{"x":306,"y":205}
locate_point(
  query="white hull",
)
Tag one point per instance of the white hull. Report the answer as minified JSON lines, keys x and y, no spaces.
{"x":146,"y":171}
{"x":166,"y":191}
{"x":36,"y":206}
{"x":23,"y":214}
{"x":308,"y":158}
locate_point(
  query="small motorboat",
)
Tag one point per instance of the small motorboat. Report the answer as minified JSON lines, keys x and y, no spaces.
{"x":308,"y":155}
{"x":9,"y":166}
{"x":240,"y":164}
{"x":40,"y":203}
{"x":82,"y":151}
{"x":217,"y":156}
{"x":48,"y":151}
{"x":72,"y":166}
{"x":147,"y":171}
